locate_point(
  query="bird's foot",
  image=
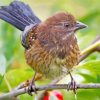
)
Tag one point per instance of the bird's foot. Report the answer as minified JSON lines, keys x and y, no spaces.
{"x":72,"y":86}
{"x":31,"y":88}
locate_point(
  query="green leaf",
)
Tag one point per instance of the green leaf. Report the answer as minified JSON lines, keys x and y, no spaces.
{"x":88,"y":78}
{"x":92,"y":66}
{"x":1,"y":79}
{"x":89,"y":94}
{"x":2,"y":64}
{"x":15,"y":77}
{"x":90,"y":16}
{"x":27,"y":97}
{"x":90,"y":71}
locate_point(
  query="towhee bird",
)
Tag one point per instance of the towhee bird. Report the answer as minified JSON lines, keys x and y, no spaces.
{"x":51,"y":47}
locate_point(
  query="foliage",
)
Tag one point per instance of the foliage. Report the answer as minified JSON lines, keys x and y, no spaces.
{"x":13,"y":68}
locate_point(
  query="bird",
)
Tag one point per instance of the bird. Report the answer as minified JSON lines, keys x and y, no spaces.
{"x":51,"y":47}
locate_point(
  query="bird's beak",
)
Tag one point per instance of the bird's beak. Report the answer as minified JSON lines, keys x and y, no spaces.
{"x":80,"y":25}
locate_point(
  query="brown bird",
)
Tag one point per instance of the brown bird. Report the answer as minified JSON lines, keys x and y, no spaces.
{"x":51,"y":47}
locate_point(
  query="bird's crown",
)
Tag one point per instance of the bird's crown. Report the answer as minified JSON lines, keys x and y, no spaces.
{"x":61,"y":17}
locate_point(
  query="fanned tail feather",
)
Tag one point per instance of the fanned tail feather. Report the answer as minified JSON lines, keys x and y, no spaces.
{"x":18,"y":14}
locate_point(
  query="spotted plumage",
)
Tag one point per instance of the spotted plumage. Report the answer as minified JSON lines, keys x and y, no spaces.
{"x":51,"y":47}
{"x":55,"y":49}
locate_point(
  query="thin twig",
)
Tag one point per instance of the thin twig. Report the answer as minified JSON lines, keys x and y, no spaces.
{"x":94,"y":47}
{"x":91,"y":47}
{"x":15,"y":93}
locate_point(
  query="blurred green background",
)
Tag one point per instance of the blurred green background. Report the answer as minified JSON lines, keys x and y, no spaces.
{"x":13,"y":68}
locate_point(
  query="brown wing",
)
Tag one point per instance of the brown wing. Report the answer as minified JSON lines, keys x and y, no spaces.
{"x":38,"y":58}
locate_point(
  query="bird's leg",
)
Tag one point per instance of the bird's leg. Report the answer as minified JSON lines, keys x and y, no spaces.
{"x":72,"y":84}
{"x":32,"y":86}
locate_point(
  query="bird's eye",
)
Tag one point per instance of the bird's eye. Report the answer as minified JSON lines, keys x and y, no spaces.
{"x":66,"y":24}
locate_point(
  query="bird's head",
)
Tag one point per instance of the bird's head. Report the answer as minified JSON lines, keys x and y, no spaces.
{"x":57,"y":33}
{"x":64,"y":22}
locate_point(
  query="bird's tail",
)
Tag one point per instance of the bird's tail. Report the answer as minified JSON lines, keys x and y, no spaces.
{"x":18,"y":14}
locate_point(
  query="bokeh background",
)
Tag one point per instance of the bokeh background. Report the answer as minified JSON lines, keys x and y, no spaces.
{"x":13,"y":68}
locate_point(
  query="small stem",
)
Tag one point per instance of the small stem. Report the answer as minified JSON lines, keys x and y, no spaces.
{"x":7,"y":83}
{"x":94,"y":47}
{"x":91,"y":47}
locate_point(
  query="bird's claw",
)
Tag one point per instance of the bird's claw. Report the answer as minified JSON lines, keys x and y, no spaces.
{"x":31,"y":88}
{"x":72,"y":86}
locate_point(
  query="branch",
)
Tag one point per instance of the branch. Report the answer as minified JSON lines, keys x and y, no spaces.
{"x":94,"y":47}
{"x":91,"y":48}
{"x":15,"y":93}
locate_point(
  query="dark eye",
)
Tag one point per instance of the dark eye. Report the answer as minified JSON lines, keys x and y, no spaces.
{"x":66,"y":24}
